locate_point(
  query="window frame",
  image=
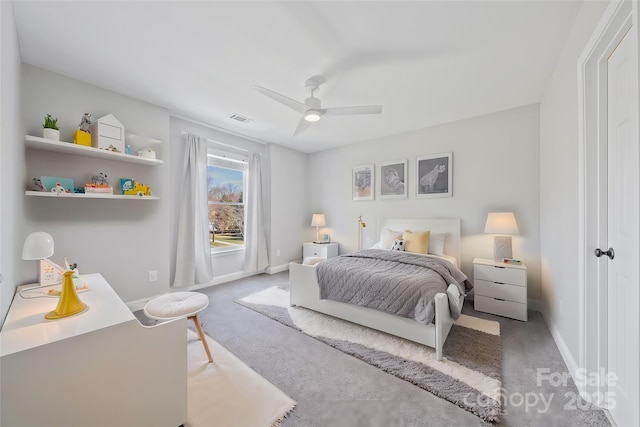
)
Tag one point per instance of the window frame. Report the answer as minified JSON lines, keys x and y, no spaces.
{"x":222,"y":159}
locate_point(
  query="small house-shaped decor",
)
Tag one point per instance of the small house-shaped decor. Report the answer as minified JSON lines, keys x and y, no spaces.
{"x":107,"y":133}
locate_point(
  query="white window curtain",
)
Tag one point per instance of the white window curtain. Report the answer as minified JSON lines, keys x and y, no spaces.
{"x":193,"y":259}
{"x":256,"y":258}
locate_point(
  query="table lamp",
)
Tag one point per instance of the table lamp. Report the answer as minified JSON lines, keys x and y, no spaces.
{"x":39,"y":246}
{"x":503,"y":224}
{"x":68,"y":303}
{"x":318,"y":221}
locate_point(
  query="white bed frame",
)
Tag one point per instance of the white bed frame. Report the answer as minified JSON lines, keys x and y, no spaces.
{"x":306,"y":293}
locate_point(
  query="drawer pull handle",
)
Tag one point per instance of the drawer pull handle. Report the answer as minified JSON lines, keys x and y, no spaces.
{"x":499,"y":283}
{"x":495,"y":266}
{"x":499,"y":299}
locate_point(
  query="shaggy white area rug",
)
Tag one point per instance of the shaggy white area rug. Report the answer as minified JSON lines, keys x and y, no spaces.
{"x":469,"y":375}
{"x":227,"y":393}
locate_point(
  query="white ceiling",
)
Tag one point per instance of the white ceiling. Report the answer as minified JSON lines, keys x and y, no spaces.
{"x":426,"y":62}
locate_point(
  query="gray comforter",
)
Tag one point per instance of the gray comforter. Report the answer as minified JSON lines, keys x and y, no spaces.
{"x":396,"y":282}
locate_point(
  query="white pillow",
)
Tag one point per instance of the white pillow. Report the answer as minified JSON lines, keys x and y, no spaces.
{"x":388,"y":237}
{"x":436,"y":243}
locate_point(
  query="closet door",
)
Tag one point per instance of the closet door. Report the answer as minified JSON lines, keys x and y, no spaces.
{"x":622,"y":253}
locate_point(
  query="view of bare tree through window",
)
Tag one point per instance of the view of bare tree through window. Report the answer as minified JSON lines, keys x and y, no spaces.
{"x":226,"y":206}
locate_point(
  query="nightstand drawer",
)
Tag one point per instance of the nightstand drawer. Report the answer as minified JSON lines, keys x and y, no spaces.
{"x":500,"y":290}
{"x":500,"y":274}
{"x":315,"y":250}
{"x":322,"y":250}
{"x":511,"y":309}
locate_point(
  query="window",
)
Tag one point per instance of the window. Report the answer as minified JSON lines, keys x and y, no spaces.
{"x":226,"y":179}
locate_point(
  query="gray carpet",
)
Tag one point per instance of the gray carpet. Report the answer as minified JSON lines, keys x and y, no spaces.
{"x":338,"y":390}
{"x":473,"y":349}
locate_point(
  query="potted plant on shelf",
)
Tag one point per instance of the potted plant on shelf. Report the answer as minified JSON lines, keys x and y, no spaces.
{"x":50,"y":129}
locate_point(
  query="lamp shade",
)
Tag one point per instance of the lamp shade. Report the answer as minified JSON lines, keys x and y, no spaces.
{"x":501,"y":223}
{"x":37,"y":245}
{"x":318,"y":220}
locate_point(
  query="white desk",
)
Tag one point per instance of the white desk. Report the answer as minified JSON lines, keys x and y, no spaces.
{"x":97,"y":368}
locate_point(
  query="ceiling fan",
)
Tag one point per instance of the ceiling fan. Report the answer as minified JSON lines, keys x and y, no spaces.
{"x":311,"y":109}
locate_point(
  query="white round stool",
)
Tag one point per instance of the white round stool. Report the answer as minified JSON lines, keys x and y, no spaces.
{"x":180,"y":304}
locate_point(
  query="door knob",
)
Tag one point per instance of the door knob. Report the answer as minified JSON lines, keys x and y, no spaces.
{"x":610,"y":253}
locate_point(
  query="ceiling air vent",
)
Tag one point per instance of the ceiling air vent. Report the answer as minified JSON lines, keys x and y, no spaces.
{"x":239,"y":118}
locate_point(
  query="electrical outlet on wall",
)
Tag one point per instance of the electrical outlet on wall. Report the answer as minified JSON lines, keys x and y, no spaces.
{"x":153,"y":275}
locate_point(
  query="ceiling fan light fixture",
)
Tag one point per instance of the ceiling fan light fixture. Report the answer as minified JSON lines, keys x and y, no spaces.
{"x":312,"y":115}
{"x":311,"y":109}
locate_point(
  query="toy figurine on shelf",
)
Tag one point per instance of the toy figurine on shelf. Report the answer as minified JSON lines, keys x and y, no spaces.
{"x":99,"y":184}
{"x":36,"y":185}
{"x":138,"y":190}
{"x":100,"y":179}
{"x":82,"y":135}
{"x":85,"y":123}
{"x":59,"y":190}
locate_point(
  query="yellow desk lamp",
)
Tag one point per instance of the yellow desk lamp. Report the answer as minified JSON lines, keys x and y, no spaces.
{"x":39,"y":246}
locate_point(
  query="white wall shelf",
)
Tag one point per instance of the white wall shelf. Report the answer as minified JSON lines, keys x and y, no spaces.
{"x":37,"y":143}
{"x":88,"y":196}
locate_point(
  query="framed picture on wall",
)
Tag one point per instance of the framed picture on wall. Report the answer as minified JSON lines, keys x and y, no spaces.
{"x":362,"y":183}
{"x":393,"y":179}
{"x":434,"y":176}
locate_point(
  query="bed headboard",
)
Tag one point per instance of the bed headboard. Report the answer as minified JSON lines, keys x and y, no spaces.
{"x":451,"y":226}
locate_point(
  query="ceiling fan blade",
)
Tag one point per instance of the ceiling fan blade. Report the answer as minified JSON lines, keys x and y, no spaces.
{"x":291,"y":103}
{"x":346,"y":111}
{"x":302,"y":126}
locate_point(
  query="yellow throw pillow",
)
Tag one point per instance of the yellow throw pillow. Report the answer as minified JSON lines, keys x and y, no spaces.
{"x":417,"y":242}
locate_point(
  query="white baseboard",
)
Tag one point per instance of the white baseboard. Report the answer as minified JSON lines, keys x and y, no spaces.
{"x":571,"y":363}
{"x":609,"y":417}
{"x":140,"y":303}
{"x":277,"y":269}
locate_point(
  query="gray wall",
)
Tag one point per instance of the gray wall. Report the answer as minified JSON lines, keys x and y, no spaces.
{"x":495,"y":168}
{"x":12,"y":158}
{"x":124,"y":240}
{"x":559,"y":208}
{"x":121,"y":239}
{"x":289,"y":205}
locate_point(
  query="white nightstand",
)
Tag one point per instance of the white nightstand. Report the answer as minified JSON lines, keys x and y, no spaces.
{"x":324,"y":250}
{"x":500,"y":288}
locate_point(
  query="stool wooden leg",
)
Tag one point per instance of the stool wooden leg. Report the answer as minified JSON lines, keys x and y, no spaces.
{"x":202,"y":337}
